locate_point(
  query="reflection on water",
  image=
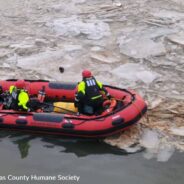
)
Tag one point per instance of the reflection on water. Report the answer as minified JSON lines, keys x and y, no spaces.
{"x":23,"y":146}
{"x":80,"y":147}
{"x":150,"y":145}
{"x":21,"y":140}
{"x":94,"y":161}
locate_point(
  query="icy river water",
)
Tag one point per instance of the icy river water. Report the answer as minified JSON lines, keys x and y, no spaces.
{"x":136,"y":44}
{"x":92,"y":161}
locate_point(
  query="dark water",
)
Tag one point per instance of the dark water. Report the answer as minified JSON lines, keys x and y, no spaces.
{"x":94,"y":161}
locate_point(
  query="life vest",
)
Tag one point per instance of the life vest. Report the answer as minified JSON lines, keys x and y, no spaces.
{"x":23,"y":99}
{"x":110,"y":104}
{"x":12,"y":100}
{"x":92,"y":90}
{"x":18,"y":98}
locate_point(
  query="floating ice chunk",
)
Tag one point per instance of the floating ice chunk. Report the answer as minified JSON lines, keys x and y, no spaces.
{"x":104,"y":57}
{"x":177,"y":38}
{"x":67,"y":8}
{"x":162,"y":13}
{"x":6,"y":65}
{"x":24,"y":48}
{"x":45,"y":63}
{"x":149,"y":154}
{"x":134,"y":149}
{"x":126,"y":141}
{"x":165,"y":152}
{"x":21,"y":46}
{"x":141,"y":47}
{"x":3,"y":53}
{"x":154,"y":148}
{"x":135,"y":72}
{"x":154,"y":103}
{"x":177,"y":131}
{"x":66,"y":26}
{"x":96,"y":48}
{"x":71,"y":48}
{"x":141,"y":42}
{"x":150,"y":139}
{"x":40,"y":42}
{"x":40,"y":60}
{"x":78,"y":1}
{"x":117,"y":3}
{"x":73,"y":26}
{"x":179,"y":2}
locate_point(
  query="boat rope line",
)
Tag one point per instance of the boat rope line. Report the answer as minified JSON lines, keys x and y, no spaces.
{"x":85,"y":121}
{"x":16,"y":113}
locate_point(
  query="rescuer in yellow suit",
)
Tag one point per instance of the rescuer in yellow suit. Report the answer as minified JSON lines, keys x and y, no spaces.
{"x":17,"y":99}
{"x":89,"y":98}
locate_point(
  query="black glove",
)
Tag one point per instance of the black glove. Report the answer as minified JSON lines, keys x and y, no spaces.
{"x":1,"y":89}
{"x":76,"y":104}
{"x":109,"y":96}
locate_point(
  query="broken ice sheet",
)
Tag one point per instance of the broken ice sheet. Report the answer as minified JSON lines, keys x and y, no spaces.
{"x":150,"y":139}
{"x":104,"y":57}
{"x":72,"y":48}
{"x":168,"y":14}
{"x":155,"y":147}
{"x":165,"y":152}
{"x":67,"y":8}
{"x":74,"y":26}
{"x":24,"y":48}
{"x":78,"y":1}
{"x":177,"y":38}
{"x":143,"y":42}
{"x":177,"y":131}
{"x":135,"y":72}
{"x":127,"y":140}
{"x":154,"y":102}
{"x":133,"y":149}
{"x":141,"y":48}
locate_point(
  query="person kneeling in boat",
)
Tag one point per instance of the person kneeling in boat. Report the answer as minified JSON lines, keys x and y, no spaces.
{"x":88,"y":98}
{"x":17,"y":99}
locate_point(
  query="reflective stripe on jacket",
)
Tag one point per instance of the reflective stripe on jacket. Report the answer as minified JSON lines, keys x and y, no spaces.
{"x":90,"y":88}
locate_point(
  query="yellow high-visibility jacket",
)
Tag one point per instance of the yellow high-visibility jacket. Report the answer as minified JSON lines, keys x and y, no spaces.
{"x":19,"y":96}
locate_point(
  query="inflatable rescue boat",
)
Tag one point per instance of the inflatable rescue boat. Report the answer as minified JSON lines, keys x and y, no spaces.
{"x":58,"y":115}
